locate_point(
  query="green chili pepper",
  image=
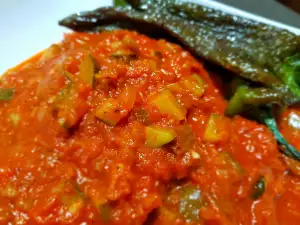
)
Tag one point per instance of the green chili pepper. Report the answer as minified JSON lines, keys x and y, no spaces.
{"x":245,"y":96}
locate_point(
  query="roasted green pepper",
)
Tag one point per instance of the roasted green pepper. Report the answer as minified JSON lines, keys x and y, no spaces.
{"x":245,"y":96}
{"x":248,"y":48}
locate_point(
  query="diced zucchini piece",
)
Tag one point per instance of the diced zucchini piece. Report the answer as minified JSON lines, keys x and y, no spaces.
{"x":15,"y":118}
{"x":217,"y":129}
{"x":224,"y":157}
{"x":167,"y":104}
{"x":226,"y":164}
{"x":109,"y":112}
{"x":120,"y":53}
{"x":69,"y":107}
{"x":9,"y":190}
{"x":185,"y":201}
{"x":190,"y":202}
{"x":113,"y":110}
{"x":59,"y":188}
{"x":194,"y":84}
{"x":87,"y":70}
{"x":6,"y":94}
{"x":73,"y":204}
{"x":124,"y":55}
{"x":75,"y":207}
{"x":157,"y":136}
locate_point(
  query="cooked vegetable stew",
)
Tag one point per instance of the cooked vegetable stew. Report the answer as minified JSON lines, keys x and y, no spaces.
{"x":118,"y":128}
{"x":264,"y":59}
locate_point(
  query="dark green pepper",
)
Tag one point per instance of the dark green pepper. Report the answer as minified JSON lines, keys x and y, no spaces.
{"x":245,"y":96}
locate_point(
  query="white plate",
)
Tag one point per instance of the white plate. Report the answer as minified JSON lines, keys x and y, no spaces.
{"x":29,"y":26}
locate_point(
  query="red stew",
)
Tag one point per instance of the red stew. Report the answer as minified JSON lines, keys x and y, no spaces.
{"x":117,"y":128}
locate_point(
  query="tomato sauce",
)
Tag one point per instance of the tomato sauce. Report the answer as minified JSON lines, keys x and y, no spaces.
{"x":289,"y":124}
{"x":117,"y":128}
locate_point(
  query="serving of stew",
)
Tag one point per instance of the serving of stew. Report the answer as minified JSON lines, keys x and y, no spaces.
{"x":118,"y":128}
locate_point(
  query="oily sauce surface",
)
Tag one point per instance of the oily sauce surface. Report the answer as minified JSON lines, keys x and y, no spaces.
{"x":117,"y":128}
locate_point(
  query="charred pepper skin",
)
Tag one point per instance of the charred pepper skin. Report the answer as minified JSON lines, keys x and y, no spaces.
{"x":250,"y":49}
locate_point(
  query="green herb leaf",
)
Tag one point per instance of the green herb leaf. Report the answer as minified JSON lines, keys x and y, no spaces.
{"x":6,"y":94}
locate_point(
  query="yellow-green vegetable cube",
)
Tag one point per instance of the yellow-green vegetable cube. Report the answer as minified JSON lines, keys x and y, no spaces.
{"x":194,"y":84}
{"x":87,"y":70}
{"x":157,"y":136}
{"x":167,"y":104}
{"x":217,"y":128}
{"x":109,"y":112}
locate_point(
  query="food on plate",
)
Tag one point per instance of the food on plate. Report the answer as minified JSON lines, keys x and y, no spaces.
{"x":260,"y":53}
{"x":115,"y":127}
